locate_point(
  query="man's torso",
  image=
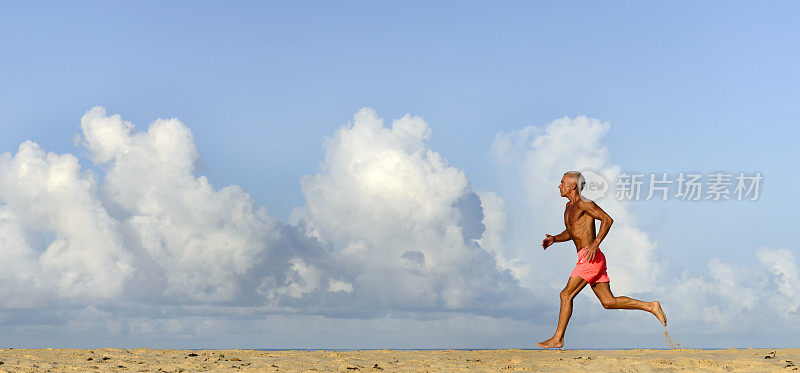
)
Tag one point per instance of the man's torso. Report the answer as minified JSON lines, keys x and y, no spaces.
{"x":580,"y":225}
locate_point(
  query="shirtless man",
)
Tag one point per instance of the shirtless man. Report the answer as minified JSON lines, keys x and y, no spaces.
{"x":579,"y":218}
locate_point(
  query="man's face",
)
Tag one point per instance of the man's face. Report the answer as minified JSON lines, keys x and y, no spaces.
{"x":565,"y":186}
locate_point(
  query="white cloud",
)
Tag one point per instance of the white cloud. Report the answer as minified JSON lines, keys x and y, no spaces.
{"x":409,"y":222}
{"x":754,"y":298}
{"x":302,"y":280}
{"x":335,"y":286}
{"x":716,"y":298}
{"x":781,"y":265}
{"x":58,"y":239}
{"x":202,"y":239}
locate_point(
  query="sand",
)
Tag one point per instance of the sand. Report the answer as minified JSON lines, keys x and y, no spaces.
{"x":143,"y":359}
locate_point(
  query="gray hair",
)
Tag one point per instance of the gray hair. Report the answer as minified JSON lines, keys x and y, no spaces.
{"x":580,"y":180}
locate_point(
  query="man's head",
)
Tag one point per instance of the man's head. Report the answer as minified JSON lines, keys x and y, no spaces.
{"x":571,"y":180}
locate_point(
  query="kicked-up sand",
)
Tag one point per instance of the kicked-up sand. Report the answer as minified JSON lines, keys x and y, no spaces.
{"x":642,"y":360}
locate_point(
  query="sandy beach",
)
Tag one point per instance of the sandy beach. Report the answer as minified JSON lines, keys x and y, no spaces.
{"x":640,"y":360}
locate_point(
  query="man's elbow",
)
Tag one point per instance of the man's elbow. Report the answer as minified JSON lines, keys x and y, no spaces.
{"x":609,"y":221}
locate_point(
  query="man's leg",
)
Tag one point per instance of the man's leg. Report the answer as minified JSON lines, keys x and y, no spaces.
{"x":609,"y":301}
{"x":574,"y":286}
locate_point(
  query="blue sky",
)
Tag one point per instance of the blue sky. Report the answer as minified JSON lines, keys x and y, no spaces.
{"x":685,"y":86}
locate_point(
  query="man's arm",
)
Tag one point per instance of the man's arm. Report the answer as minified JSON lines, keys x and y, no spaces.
{"x":596,"y":212}
{"x":561,"y":237}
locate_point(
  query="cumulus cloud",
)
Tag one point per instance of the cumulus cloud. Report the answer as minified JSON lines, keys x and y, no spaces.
{"x":149,"y":231}
{"x":410,"y":223}
{"x":761,"y":298}
{"x":784,"y":278}
{"x":202,"y":240}
{"x":58,"y":240}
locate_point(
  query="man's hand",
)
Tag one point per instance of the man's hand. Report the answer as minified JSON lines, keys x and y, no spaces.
{"x":590,"y":251}
{"x":548,"y":240}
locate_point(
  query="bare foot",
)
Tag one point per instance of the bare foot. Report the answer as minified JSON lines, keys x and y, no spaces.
{"x":551,"y":343}
{"x":659,"y":312}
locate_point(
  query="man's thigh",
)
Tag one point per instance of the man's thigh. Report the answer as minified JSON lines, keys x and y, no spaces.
{"x":603,"y":291}
{"x":574,"y":285}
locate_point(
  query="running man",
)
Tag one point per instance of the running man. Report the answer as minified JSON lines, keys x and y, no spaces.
{"x":579,"y":218}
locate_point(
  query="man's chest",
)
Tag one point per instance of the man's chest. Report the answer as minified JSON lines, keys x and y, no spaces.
{"x":574,"y":216}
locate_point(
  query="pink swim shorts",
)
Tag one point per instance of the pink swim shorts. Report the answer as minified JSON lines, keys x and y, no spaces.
{"x":594,"y":271}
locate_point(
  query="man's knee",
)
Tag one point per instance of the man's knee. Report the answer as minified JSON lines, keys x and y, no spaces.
{"x":566,"y":296}
{"x":608,"y":303}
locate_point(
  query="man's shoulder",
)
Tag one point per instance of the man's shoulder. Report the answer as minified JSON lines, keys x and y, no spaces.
{"x":585,"y":203}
